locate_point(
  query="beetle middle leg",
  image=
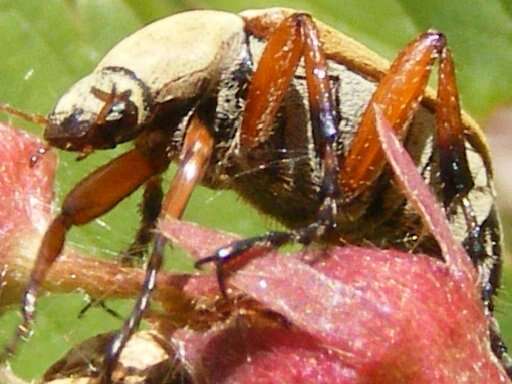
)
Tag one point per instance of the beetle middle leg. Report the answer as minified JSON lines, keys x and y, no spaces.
{"x":150,"y":209}
{"x":194,"y":158}
{"x":295,"y":37}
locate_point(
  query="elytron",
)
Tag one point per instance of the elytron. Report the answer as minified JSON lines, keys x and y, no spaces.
{"x":277,"y":107}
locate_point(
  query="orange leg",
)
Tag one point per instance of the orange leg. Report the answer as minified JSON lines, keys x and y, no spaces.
{"x":398,"y":96}
{"x":271,"y":80}
{"x":194,"y":157}
{"x":294,"y":38}
{"x":133,"y":256}
{"x":91,"y":198}
{"x":455,"y":174}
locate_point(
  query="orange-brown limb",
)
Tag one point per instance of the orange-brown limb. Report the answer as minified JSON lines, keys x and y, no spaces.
{"x":322,"y":114}
{"x":93,"y":196}
{"x":398,"y":95}
{"x":103,"y":189}
{"x":455,"y":173}
{"x":324,"y":121}
{"x":324,"y":117}
{"x":270,"y":81}
{"x":193,"y":161}
{"x":295,"y":37}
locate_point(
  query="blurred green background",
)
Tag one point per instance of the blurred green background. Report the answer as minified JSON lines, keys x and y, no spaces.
{"x":48,"y":45}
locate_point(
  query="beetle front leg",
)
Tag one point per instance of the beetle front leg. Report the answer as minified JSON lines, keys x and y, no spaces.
{"x":134,"y":254}
{"x":193,"y":161}
{"x":95,"y":195}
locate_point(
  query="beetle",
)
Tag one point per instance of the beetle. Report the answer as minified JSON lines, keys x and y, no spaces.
{"x":279,"y":108}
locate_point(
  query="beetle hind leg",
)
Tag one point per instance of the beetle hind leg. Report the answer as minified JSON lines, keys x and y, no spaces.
{"x":457,"y":182}
{"x":398,"y":94}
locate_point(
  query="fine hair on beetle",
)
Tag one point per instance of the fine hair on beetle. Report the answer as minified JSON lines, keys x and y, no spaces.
{"x":278,"y":108}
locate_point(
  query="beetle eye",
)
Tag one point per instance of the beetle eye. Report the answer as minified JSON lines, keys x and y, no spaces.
{"x":116,"y":111}
{"x":115,"y":104}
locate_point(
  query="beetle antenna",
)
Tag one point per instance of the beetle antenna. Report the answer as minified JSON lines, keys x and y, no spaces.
{"x":30,"y":117}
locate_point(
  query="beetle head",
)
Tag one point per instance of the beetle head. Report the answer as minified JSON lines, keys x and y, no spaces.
{"x":100,"y":111}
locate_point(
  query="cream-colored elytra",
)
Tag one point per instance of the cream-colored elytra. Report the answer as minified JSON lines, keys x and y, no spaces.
{"x":181,"y":55}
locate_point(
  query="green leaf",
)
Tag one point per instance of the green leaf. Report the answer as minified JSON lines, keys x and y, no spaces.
{"x":48,"y":45}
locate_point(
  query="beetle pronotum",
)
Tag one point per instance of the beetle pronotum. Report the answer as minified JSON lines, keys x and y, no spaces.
{"x":277,"y":107}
